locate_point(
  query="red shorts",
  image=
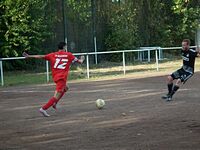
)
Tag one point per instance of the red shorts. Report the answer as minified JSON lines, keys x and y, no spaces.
{"x":60,"y":85}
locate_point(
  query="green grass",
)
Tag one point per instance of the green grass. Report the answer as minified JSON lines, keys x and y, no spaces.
{"x":22,"y":77}
{"x":104,"y":70}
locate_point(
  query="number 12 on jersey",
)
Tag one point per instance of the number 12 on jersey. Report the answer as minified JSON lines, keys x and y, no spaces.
{"x":60,"y":63}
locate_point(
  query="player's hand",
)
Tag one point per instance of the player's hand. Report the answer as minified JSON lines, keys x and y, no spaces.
{"x":25,"y":54}
{"x":82,"y":58}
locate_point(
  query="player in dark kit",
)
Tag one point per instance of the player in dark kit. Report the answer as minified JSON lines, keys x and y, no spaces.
{"x":60,"y":65}
{"x":185,"y":72}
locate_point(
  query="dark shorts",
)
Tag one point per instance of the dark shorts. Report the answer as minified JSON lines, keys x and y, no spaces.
{"x":182,"y":75}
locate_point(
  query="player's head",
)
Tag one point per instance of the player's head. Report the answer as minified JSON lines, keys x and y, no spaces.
{"x":186,"y":44}
{"x":62,"y":46}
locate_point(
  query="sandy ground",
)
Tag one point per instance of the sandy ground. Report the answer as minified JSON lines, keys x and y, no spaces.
{"x":134,"y":118}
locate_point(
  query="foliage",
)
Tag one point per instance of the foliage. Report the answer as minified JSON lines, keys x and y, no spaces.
{"x":78,"y":16}
{"x":79,"y":10}
{"x":122,"y":28}
{"x":188,"y":12}
{"x":37,"y":25}
{"x":23,"y":26}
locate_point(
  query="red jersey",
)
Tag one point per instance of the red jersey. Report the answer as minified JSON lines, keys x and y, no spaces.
{"x":60,"y":64}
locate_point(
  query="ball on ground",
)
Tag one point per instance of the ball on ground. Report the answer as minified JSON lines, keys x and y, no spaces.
{"x":100,"y":103}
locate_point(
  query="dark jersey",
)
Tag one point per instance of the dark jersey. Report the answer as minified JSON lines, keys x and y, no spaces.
{"x":189,"y":60}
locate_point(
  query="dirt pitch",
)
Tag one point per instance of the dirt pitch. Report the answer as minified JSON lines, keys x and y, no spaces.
{"x":135,"y":117}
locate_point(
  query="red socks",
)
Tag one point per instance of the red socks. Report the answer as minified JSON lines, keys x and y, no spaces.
{"x":50,"y":103}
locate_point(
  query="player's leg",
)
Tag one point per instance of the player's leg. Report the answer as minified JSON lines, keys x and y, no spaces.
{"x":61,"y":88}
{"x":169,"y":86}
{"x":174,"y":89}
{"x":58,"y":96}
{"x":50,"y":103}
{"x":184,"y":76}
{"x":42,"y":110}
{"x":170,"y":79}
{"x":60,"y":85}
{"x":175,"y":75}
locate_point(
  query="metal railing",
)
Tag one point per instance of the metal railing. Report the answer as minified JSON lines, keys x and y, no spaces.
{"x":158,"y":55}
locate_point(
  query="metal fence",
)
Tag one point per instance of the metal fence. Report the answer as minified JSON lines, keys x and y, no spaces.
{"x":158,"y":55}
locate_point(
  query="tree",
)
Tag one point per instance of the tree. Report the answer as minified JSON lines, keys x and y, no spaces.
{"x":122,"y":27}
{"x":188,"y":12}
{"x":23,"y":26}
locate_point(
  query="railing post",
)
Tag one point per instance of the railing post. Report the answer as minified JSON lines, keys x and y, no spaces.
{"x":88,"y":71}
{"x":95,"y":47}
{"x":124,"y":63}
{"x":160,"y":54}
{"x":1,"y":66}
{"x":149,"y":56}
{"x":157,"y":68}
{"x":47,"y":71}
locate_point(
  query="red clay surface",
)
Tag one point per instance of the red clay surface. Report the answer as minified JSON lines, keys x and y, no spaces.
{"x":134,"y":118}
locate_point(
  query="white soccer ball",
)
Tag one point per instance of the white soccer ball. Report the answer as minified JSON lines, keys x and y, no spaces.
{"x":100,"y":103}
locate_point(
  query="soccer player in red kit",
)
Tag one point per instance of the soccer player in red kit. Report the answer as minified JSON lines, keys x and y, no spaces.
{"x":60,"y":65}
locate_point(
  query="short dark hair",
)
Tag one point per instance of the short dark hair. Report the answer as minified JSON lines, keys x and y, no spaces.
{"x":61,"y":45}
{"x":187,"y":41}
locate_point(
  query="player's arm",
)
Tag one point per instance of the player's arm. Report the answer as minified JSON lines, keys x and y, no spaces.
{"x":80,"y":61}
{"x":198,"y":52}
{"x":26,"y":55}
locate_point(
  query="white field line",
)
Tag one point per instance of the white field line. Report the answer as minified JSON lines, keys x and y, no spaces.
{"x":24,"y":91}
{"x":111,"y":90}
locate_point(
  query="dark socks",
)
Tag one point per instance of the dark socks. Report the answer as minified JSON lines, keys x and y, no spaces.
{"x":170,"y":86}
{"x":175,"y":88}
